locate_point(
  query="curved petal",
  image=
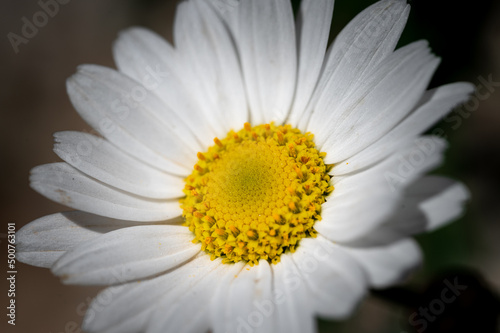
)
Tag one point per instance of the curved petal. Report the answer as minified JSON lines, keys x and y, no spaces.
{"x":128,"y":116}
{"x":65,"y":185}
{"x":359,"y":48}
{"x":206,"y":48}
{"x":245,"y":301}
{"x":192,"y":305}
{"x":295,"y":313}
{"x":134,"y":303}
{"x":101,"y":160}
{"x":428,"y":204}
{"x":337,"y":283}
{"x":362,"y":201}
{"x":228,"y":10}
{"x":446,"y":206}
{"x":149,"y":59}
{"x":267,"y":48}
{"x":44,"y":240}
{"x":130,"y":325}
{"x":434,"y":105}
{"x":387,"y":264}
{"x":313,"y":28}
{"x":126,"y":255}
{"x":386,"y":97}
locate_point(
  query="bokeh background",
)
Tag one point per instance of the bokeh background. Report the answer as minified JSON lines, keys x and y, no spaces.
{"x":34,"y":105}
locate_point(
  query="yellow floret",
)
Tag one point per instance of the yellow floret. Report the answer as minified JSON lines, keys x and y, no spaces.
{"x":255,"y":194}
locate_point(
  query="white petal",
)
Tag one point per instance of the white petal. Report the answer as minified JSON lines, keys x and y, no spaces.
{"x":373,"y":109}
{"x":294,"y":306}
{"x":192,"y":305}
{"x":370,"y":37}
{"x":445,"y":207}
{"x":228,"y":10}
{"x":267,"y":47}
{"x":313,"y":28}
{"x":433,"y":106}
{"x":65,"y":185}
{"x":245,"y":301}
{"x":149,"y":59}
{"x":130,"y":325}
{"x":207,"y":50}
{"x":428,"y":204}
{"x":105,"y":99}
{"x":387,"y":264}
{"x":101,"y":160}
{"x":336,"y":281}
{"x":439,"y":200}
{"x":126,"y":255}
{"x":129,"y":302}
{"x":43,"y":241}
{"x":361,"y":202}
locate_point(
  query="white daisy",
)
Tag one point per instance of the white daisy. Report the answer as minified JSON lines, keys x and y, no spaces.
{"x":247,"y":179}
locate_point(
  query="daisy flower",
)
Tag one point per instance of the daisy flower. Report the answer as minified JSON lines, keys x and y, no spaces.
{"x":247,"y":178}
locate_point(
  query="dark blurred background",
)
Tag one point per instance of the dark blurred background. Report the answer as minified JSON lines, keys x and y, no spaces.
{"x":34,"y":105}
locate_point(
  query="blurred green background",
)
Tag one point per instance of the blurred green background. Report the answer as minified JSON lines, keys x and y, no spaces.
{"x":465,"y":34}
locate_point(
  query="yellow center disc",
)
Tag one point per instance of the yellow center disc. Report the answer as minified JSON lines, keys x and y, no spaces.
{"x":256,"y":193}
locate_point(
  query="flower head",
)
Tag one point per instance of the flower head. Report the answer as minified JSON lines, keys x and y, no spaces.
{"x":247,"y":179}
